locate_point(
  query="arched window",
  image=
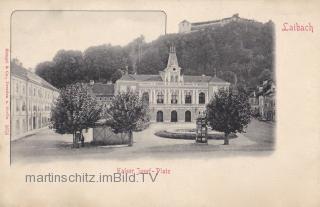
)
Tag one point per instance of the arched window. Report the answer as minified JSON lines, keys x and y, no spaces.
{"x":202,"y":98}
{"x":159,"y":116}
{"x":187,"y":116}
{"x":174,"y":99}
{"x":174,"y":116}
{"x":160,"y":98}
{"x":188,"y":98}
{"x":145,"y":98}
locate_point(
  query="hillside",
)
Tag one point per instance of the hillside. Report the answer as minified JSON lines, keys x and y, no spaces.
{"x":240,"y":52}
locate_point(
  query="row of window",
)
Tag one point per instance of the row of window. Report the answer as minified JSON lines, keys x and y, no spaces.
{"x":32,"y":91}
{"x":35,"y":108}
{"x":174,"y":116}
{"x":174,"y":98}
{"x":33,"y":123}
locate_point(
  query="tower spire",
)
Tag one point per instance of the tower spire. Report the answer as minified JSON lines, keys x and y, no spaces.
{"x":172,"y":60}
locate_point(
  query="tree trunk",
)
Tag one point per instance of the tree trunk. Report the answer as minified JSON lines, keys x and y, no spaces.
{"x":226,"y":139}
{"x":75,"y":141}
{"x":82,"y":139}
{"x":130,"y":138}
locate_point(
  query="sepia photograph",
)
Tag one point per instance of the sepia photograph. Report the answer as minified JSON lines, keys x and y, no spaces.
{"x":159,"y":103}
{"x":90,"y":90}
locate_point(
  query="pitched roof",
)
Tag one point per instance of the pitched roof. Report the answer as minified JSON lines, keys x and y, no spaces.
{"x":186,"y":78}
{"x":131,"y":77}
{"x":18,"y":70}
{"x":103,"y":89}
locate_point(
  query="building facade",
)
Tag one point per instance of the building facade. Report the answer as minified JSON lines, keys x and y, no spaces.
{"x":262,"y":101}
{"x":172,"y":97}
{"x":31,"y":101}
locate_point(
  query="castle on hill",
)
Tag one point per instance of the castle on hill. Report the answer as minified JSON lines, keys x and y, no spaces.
{"x":186,"y":26}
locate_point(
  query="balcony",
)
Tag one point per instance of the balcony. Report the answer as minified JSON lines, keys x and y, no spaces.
{"x":174,"y":101}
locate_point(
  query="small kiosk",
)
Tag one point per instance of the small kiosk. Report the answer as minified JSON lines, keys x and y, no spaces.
{"x":202,"y":129}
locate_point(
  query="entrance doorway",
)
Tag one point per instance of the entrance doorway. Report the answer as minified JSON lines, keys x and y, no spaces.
{"x":187,"y":116}
{"x":174,"y":116}
{"x":159,"y":116}
{"x":34,"y":123}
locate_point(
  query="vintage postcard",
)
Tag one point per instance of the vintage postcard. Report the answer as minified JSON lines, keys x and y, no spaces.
{"x":196,"y":103}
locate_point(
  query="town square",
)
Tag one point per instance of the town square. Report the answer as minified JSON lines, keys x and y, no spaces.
{"x":149,"y":100}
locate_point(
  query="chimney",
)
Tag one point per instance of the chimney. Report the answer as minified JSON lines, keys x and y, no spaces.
{"x":91,"y":82}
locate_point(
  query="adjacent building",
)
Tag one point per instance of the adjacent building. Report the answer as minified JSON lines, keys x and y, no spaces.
{"x":172,"y":96}
{"x":103,"y":92}
{"x":262,"y":101}
{"x":31,"y":100}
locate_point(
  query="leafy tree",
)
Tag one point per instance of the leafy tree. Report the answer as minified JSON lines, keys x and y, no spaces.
{"x":117,"y":75}
{"x":68,"y":67}
{"x":229,"y":112}
{"x":102,"y":61}
{"x":229,"y":76}
{"x":46,"y":71}
{"x":75,"y":109}
{"x":126,"y":113}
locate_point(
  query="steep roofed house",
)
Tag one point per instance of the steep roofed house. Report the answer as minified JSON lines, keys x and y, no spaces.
{"x":31,"y":101}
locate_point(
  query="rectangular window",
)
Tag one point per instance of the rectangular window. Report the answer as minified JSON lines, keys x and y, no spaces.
{"x":23,"y":106}
{"x":174,"y":99}
{"x":188,"y":99}
{"x":160,"y":97}
{"x":17,"y":106}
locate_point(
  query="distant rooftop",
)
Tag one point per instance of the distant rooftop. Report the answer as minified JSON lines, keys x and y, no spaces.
{"x":20,"y":71}
{"x":187,"y":78}
{"x":103,"y":89}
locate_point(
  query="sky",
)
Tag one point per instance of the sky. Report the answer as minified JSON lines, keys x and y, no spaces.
{"x":37,"y":35}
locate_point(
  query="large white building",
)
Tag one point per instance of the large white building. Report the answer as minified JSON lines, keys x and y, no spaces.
{"x":31,"y":101}
{"x":172,"y":96}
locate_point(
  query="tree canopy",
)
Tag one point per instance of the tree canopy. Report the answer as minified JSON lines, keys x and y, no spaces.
{"x":126,"y":112}
{"x":229,"y":111}
{"x":74,"y":110}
